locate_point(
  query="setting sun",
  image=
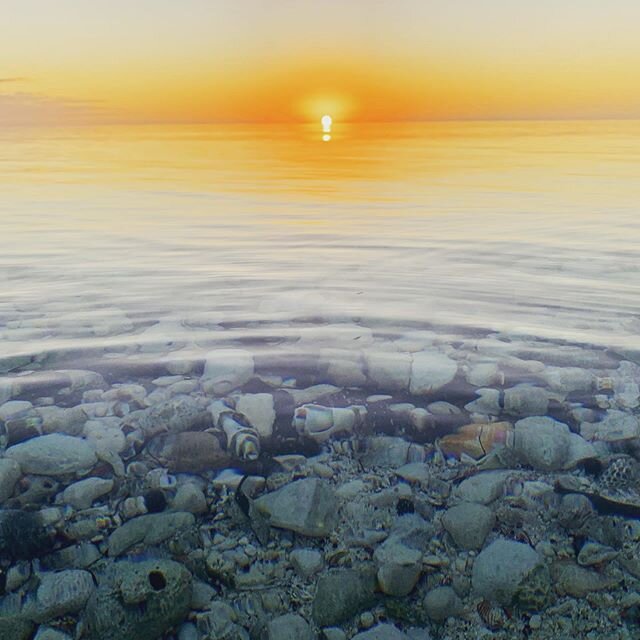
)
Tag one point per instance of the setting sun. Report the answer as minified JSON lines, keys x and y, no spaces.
{"x":326,"y":121}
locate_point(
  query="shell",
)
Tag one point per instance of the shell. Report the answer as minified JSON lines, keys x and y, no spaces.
{"x":622,"y":472}
{"x":492,"y":615}
{"x":477,"y":440}
{"x":320,"y":423}
{"x":243,"y":440}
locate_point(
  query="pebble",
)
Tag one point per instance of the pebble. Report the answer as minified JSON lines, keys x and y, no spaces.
{"x":399,"y":567}
{"x":306,"y":562}
{"x":430,"y":371}
{"x":542,"y":442}
{"x":10,"y":473}
{"x":61,"y":593}
{"x":190,"y":498}
{"x":382,"y":631}
{"x":289,"y":627}
{"x":482,"y":488}
{"x":82,"y":494}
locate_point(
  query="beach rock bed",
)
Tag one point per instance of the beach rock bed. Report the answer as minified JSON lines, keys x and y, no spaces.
{"x":463,"y":492}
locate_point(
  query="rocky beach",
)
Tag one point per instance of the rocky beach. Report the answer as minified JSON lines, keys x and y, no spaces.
{"x":416,"y":487}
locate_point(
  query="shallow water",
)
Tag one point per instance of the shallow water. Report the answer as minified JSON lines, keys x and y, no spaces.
{"x":173,"y":240}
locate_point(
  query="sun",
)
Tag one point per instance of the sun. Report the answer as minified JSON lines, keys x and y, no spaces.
{"x":326,"y":121}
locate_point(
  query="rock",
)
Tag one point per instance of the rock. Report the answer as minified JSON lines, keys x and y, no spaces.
{"x":13,"y":408}
{"x":614,"y":427}
{"x":23,"y":535}
{"x":484,"y":374}
{"x":289,"y":627}
{"x":414,"y":472}
{"x":574,"y":580}
{"x":441,"y":603}
{"x":469,"y":524}
{"x":150,"y":529}
{"x":389,"y":452}
{"x":53,"y":455}
{"x":431,"y":370}
{"x":190,"y":498}
{"x":593,"y":553}
{"x":49,"y":633}
{"x":307,"y":506}
{"x":399,"y":567}
{"x":62,"y":420}
{"x":333,"y":633}
{"x":10,"y":473}
{"x":188,"y":631}
{"x":226,"y":370}
{"x":306,"y":562}
{"x":499,"y":570}
{"x":16,"y":628}
{"x":202,"y":595}
{"x":342,"y":594}
{"x":62,"y":593}
{"x":579,"y":451}
{"x":140,"y":600}
{"x":526,"y":400}
{"x":542,"y":442}
{"x":259,"y":410}
{"x":350,"y":490}
{"x":565,"y":380}
{"x":389,"y":371}
{"x":82,"y":494}
{"x":382,"y":632}
{"x":482,"y":488}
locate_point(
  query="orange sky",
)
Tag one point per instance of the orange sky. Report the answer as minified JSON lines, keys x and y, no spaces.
{"x":70,"y":61}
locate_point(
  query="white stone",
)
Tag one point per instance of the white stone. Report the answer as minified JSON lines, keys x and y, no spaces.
{"x":227,"y":369}
{"x":431,"y":370}
{"x":259,"y":410}
{"x":53,"y":455}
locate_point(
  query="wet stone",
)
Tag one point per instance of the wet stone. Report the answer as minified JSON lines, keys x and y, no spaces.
{"x":341,"y":594}
{"x":469,"y":524}
{"x":306,"y":506}
{"x":289,"y":627}
{"x":53,"y":455}
{"x":62,"y":592}
{"x":482,"y":488}
{"x":382,"y":631}
{"x":442,"y":603}
{"x":10,"y":473}
{"x":306,"y":562}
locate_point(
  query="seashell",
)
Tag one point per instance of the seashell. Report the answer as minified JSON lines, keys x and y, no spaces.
{"x":243,"y":440}
{"x":477,"y":440}
{"x":622,"y":472}
{"x":492,"y":616}
{"x":320,"y":423}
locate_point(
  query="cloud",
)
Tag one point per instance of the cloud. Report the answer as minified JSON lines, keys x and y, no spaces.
{"x":13,"y":79}
{"x":36,"y":109}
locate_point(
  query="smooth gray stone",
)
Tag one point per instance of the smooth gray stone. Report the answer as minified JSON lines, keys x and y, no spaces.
{"x":61,"y":593}
{"x":382,"y":632}
{"x":469,"y":524}
{"x":289,"y":627}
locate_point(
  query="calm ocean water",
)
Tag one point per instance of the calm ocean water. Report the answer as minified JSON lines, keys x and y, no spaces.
{"x":142,"y":243}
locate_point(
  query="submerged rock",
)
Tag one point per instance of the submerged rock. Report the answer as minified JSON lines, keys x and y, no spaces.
{"x":343,"y":593}
{"x":500,"y":569}
{"x":54,"y":455}
{"x":61,"y":593}
{"x":23,"y":535}
{"x":289,"y":627}
{"x":542,"y":442}
{"x":140,"y":600}
{"x":226,"y":370}
{"x":306,"y":506}
{"x":431,"y":370}
{"x":441,"y":603}
{"x":469,"y":524}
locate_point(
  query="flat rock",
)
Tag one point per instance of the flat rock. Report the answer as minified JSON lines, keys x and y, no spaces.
{"x":307,"y":506}
{"x":53,"y":455}
{"x":259,"y":410}
{"x":574,"y":580}
{"x":431,"y":370}
{"x":289,"y":627}
{"x":389,"y":371}
{"x":61,"y":593}
{"x":82,"y":494}
{"x":469,"y":524}
{"x":343,"y":593}
{"x":150,"y":529}
{"x":383,"y":631}
{"x":542,"y":442}
{"x":227,"y":369}
{"x":500,"y":569}
{"x":414,"y":472}
{"x":399,"y":567}
{"x":10,"y":473}
{"x":482,"y":488}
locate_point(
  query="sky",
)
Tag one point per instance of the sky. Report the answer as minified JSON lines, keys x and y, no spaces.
{"x":192,"y":61}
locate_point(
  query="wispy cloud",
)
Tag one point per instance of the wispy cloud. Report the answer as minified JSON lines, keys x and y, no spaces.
{"x":13,"y":79}
{"x":35,"y":109}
